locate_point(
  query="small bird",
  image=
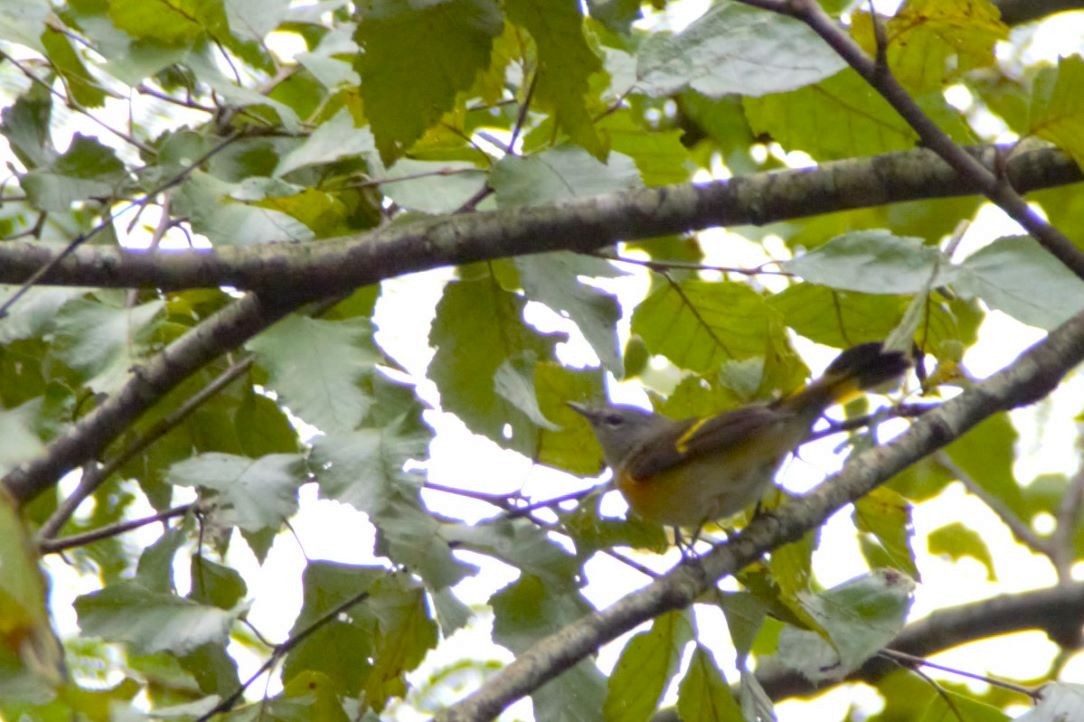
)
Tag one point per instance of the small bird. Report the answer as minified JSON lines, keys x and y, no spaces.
{"x":685,"y":473}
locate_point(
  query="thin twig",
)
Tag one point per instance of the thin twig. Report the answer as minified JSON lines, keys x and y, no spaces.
{"x":911,"y":660}
{"x":521,"y":116}
{"x":71,"y":103}
{"x":108,"y":221}
{"x":519,"y":511}
{"x":1016,"y":525}
{"x":664,"y":265}
{"x":280,"y":651}
{"x":93,"y":478}
{"x":903,"y":411}
{"x":1061,"y":544}
{"x":51,"y":546}
{"x":996,"y":189}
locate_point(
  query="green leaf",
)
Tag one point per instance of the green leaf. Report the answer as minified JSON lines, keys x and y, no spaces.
{"x":837,"y":318}
{"x":87,"y":170}
{"x":908,"y":696}
{"x":173,"y":23}
{"x":330,"y":62}
{"x":1057,"y":107}
{"x":886,"y":515}
{"x":332,"y":140}
{"x":431,"y":186}
{"x":839,"y":117}
{"x":35,"y":312}
{"x":1057,"y":701}
{"x":735,"y":49}
{"x":81,"y":85}
{"x":31,"y":659}
{"x":659,"y":154}
{"x":155,"y":568}
{"x":479,"y":327}
{"x":258,"y":493}
{"x":104,"y":341}
{"x":126,"y":611}
{"x":929,"y":42}
{"x":957,"y":541}
{"x":564,"y":65}
{"x":704,"y":695}
{"x":254,"y":19}
{"x":316,"y":367}
{"x":591,"y":531}
{"x":24,"y":22}
{"x":700,"y":324}
{"x":342,"y":648}
{"x":213,"y":668}
{"x":527,"y":610}
{"x":615,"y":15}
{"x":558,"y":173}
{"x":213,"y":583}
{"x":26,"y":121}
{"x":1016,"y":275}
{"x":570,"y":445}
{"x":449,"y":42}
{"x":405,"y":634}
{"x":521,"y":544}
{"x":514,"y":382}
{"x":216,"y":211}
{"x":20,"y":439}
{"x":365,"y":469}
{"x":319,"y":696}
{"x":985,"y":454}
{"x":873,"y":262}
{"x":859,"y":617}
{"x":262,"y":428}
{"x":745,"y":615}
{"x":554,"y":279}
{"x":645,"y":668}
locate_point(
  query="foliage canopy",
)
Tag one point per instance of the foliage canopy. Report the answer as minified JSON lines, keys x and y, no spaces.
{"x":212,"y":216}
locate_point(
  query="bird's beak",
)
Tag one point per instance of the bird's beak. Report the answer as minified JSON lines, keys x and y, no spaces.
{"x":581,"y":409}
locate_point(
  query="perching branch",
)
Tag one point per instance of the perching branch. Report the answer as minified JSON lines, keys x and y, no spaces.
{"x":1031,"y":377}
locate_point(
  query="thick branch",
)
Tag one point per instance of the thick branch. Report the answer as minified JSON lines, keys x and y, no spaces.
{"x":1028,"y":379}
{"x":585,"y":224}
{"x":1015,"y":12}
{"x":1055,"y":610}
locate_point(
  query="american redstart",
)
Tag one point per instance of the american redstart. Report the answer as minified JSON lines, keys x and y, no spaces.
{"x":684,"y":473}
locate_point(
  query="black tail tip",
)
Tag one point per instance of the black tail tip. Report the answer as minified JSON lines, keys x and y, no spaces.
{"x":870,"y":364}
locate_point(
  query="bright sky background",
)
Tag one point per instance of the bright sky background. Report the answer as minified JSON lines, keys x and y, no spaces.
{"x":328,"y":530}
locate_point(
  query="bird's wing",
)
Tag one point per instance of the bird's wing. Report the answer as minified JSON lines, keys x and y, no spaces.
{"x":694,"y":437}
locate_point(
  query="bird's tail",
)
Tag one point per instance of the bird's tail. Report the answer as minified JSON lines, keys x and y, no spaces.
{"x":855,"y":370}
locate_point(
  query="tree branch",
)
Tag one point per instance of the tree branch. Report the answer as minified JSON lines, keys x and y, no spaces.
{"x":1052,"y":610}
{"x":1028,"y":379}
{"x":991,"y":183}
{"x":1016,"y":12}
{"x":225,"y":330}
{"x":582,"y":224}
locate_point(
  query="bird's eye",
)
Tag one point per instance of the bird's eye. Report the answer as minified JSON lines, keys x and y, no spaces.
{"x":614,"y":420}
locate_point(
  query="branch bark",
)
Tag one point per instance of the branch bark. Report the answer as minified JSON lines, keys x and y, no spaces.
{"x":1029,"y":378}
{"x":339,"y":265}
{"x":1055,"y":610}
{"x":1016,"y":12}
